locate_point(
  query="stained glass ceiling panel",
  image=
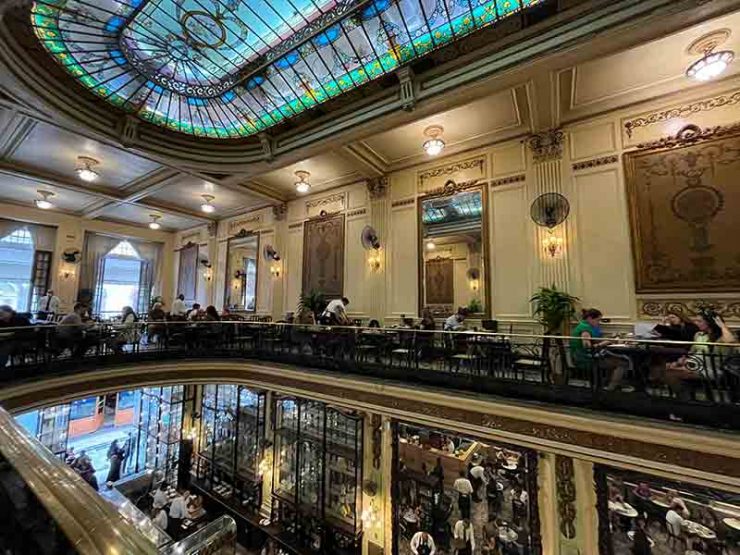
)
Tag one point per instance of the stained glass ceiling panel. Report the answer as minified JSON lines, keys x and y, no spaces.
{"x":231,"y":68}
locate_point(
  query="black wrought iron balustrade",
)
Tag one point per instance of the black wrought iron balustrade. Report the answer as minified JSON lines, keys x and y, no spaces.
{"x":696,"y":383}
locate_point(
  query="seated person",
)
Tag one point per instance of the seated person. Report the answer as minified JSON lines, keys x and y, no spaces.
{"x":676,"y":327}
{"x":335,"y":314}
{"x":194,"y":313}
{"x":9,"y":318}
{"x":211,"y":314}
{"x":427,"y":320}
{"x":699,"y":362}
{"x":128,"y":333}
{"x":586,"y":337}
{"x":70,"y":331}
{"x":455,"y":322}
{"x":155,"y":329}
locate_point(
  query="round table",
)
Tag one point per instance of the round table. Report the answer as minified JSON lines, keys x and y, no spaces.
{"x":733,"y":523}
{"x":623,"y":509}
{"x":699,"y":530}
{"x":660,"y":502}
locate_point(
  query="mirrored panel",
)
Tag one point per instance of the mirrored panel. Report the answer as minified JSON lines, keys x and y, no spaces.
{"x":241,"y":272}
{"x":452,"y":252}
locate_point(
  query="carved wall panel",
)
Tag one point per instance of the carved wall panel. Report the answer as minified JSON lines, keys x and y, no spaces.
{"x":439,"y":281}
{"x":323,"y":255}
{"x":187,"y":277}
{"x":684,"y":201}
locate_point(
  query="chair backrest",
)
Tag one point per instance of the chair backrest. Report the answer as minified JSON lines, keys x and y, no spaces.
{"x":490,"y":325}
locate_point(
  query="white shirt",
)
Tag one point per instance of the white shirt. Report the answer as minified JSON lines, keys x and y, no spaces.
{"x":178,"y":508}
{"x":49,"y":304}
{"x":463,"y":485}
{"x":674,"y":522}
{"x":336,"y":307}
{"x":462,"y":533}
{"x":452,"y":323}
{"x":479,"y":472}
{"x":416,"y":542}
{"x":160,"y":499}
{"x":179,"y":308}
{"x":160,"y":521}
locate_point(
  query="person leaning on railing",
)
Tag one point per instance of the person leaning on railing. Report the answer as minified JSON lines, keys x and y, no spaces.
{"x":700,"y":362}
{"x":584,"y":345}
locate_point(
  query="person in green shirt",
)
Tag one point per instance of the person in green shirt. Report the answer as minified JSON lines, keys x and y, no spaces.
{"x":586,"y":337}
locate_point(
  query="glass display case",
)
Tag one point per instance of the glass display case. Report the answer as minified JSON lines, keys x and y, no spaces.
{"x":160,"y":428}
{"x":317,"y":475}
{"x":231,"y":440}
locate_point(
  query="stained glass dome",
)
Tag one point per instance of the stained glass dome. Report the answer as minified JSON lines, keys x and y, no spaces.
{"x":232,"y":68}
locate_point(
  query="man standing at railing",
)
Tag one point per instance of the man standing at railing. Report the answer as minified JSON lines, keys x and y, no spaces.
{"x":48,"y":306}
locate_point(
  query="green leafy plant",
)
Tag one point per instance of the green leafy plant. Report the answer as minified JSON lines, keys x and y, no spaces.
{"x":554,"y":309}
{"x":475,"y":306}
{"x":313,"y":301}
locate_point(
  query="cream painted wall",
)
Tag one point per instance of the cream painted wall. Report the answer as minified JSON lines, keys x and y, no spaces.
{"x":71,"y":234}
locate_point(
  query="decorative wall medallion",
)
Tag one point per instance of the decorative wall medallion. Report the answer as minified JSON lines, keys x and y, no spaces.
{"x":682,"y":111}
{"x":244,"y":224}
{"x":596,"y":162}
{"x":729,"y":309}
{"x":478,"y":163}
{"x":279,"y":211}
{"x":566,"y":495}
{"x":377,"y":187}
{"x":547,"y":145}
{"x":508,"y":180}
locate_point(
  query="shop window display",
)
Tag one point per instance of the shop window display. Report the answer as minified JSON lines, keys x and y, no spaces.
{"x":231,"y":444}
{"x":317,"y":475}
{"x":641,"y":514}
{"x":461,"y":496}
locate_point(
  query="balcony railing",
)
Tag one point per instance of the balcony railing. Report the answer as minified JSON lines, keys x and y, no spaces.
{"x":696,"y":383}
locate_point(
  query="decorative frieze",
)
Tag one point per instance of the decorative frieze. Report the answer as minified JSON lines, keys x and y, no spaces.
{"x":508,"y":180}
{"x":691,"y":134}
{"x":297,"y":225}
{"x":684,"y":111}
{"x":547,"y":145}
{"x":451,"y":188}
{"x":244,"y":224}
{"x":473,"y":163}
{"x":655,"y":308}
{"x":596,"y":162}
{"x":358,"y":212}
{"x":403,"y":202}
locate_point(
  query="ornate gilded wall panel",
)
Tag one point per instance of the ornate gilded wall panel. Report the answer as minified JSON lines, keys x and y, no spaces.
{"x":323,"y":255}
{"x":439,"y":281}
{"x":684,"y":201}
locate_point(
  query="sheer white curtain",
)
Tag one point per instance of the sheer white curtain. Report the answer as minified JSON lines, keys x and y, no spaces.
{"x":94,"y":251}
{"x":151,"y":271}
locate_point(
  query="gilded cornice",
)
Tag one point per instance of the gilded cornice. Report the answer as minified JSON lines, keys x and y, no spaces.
{"x":596,"y":162}
{"x":477,"y":162}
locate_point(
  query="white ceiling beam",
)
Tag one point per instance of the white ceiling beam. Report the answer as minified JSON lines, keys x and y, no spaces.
{"x":364,"y":159}
{"x":109,"y":194}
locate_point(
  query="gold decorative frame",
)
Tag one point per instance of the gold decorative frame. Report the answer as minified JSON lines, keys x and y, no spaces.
{"x":243,"y":234}
{"x":449,"y":189}
{"x":308,"y":281}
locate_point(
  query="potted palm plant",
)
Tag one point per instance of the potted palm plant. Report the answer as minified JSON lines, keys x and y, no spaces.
{"x":312,"y":302}
{"x":554,"y":309}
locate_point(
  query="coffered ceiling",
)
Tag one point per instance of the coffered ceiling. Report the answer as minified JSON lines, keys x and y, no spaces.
{"x":607,"y":72}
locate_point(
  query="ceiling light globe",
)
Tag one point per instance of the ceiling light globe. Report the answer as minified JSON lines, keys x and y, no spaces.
{"x":86,"y":174}
{"x":710,"y":66}
{"x":154,"y":225}
{"x":434,"y":146}
{"x":303,"y":187}
{"x":43,"y":204}
{"x":207,"y":208}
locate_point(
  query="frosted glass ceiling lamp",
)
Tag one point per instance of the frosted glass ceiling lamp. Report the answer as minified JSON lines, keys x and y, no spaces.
{"x":44,"y":202}
{"x":207,"y":207}
{"x":712,"y":63}
{"x":85,"y":169}
{"x":302,"y":185}
{"x":154,"y":224}
{"x":433,"y":145}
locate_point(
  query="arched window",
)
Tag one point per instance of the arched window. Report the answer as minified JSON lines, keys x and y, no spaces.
{"x":16,"y":269}
{"x":121,"y":283}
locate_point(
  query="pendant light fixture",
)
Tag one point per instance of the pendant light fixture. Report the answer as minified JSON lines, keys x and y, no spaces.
{"x":434,"y":144}
{"x":44,"y":203}
{"x":302,"y":185}
{"x":713,"y":62}
{"x":154,"y":224}
{"x":207,"y":207}
{"x":85,"y":170}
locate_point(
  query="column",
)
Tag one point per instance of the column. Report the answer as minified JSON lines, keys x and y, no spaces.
{"x":279,"y":213}
{"x":376,"y":494}
{"x":378,"y":194}
{"x":545,"y":175}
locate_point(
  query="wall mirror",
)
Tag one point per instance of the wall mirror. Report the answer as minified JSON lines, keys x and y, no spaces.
{"x":452,"y":251}
{"x":241,"y":272}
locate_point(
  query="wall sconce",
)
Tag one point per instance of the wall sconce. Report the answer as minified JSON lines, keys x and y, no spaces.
{"x":370,"y":516}
{"x":66,"y":271}
{"x":275,"y":270}
{"x":552,"y":244}
{"x":373,"y":260}
{"x":207,"y":269}
{"x":474,"y":284}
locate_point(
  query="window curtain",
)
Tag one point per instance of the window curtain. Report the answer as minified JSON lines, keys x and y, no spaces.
{"x":44,"y":237}
{"x":95,"y":248}
{"x":151,"y":272}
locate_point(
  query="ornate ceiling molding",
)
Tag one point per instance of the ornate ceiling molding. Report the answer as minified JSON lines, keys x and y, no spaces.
{"x":686,"y":110}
